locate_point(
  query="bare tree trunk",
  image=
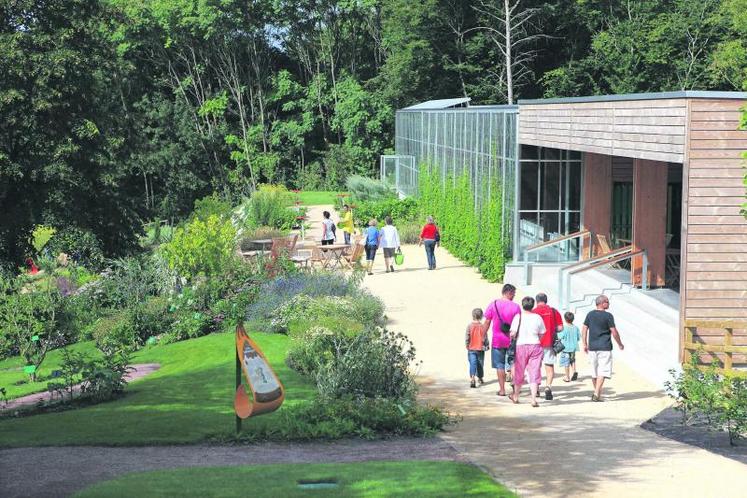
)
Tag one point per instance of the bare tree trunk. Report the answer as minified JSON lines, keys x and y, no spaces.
{"x":509,"y":71}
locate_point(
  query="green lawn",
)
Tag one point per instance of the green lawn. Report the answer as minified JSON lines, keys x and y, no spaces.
{"x":312,"y":198}
{"x":406,"y":479}
{"x":17,"y":383}
{"x":189,"y":399}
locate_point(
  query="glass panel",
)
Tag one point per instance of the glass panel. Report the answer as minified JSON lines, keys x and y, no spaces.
{"x":550,"y":186}
{"x":529,"y":152}
{"x":528,"y":186}
{"x":530,"y":232}
{"x":550,"y":154}
{"x":574,"y":186}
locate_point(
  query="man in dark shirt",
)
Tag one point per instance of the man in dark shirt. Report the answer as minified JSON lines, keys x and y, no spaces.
{"x":597,"y":333}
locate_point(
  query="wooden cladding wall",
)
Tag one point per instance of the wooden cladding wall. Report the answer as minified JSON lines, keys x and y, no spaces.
{"x":715,"y":256}
{"x":642,"y":129}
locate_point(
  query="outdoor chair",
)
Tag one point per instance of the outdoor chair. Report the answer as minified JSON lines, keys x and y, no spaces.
{"x":302,"y":257}
{"x":354,"y":257}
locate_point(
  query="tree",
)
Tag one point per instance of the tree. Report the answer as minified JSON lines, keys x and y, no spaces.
{"x":61,"y":140}
{"x":513,"y":28}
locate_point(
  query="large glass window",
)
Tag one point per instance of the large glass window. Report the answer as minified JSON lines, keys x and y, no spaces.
{"x":550,"y":203}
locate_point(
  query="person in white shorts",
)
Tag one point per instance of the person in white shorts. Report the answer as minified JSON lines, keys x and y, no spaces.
{"x":597,"y":333}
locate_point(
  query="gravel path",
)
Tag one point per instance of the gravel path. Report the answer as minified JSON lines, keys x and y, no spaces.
{"x":566,"y":447}
{"x":52,"y":472}
{"x":138,"y":372}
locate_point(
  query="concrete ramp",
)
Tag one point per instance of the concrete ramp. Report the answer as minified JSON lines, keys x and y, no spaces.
{"x":648,"y":321}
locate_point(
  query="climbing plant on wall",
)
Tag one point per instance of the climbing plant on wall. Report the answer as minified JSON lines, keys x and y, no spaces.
{"x":472,"y":235}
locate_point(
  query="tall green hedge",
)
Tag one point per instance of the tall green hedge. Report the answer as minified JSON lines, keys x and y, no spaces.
{"x":472,"y":235}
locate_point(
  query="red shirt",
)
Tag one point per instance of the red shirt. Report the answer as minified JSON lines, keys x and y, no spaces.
{"x":552,"y":319}
{"x":429,"y":232}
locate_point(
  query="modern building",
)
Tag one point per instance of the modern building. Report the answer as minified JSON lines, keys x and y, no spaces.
{"x":637,"y":196}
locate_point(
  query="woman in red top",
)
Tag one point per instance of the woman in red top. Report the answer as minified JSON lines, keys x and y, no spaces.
{"x":430,"y":237}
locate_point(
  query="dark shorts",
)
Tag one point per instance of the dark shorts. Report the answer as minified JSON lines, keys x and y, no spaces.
{"x":370,"y":252}
{"x":328,"y":242}
{"x":389,"y":252}
{"x":499,"y":359}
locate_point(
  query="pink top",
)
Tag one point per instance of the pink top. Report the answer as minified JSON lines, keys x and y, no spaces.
{"x":501,"y":311}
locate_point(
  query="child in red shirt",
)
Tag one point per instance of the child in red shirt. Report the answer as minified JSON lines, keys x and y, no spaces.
{"x":476,"y":340}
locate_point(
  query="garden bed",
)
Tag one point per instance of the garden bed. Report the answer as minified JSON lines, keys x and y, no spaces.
{"x":669,"y":424}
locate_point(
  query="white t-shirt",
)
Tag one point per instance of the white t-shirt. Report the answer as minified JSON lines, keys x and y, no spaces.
{"x":328,"y":233}
{"x":532,"y":328}
{"x":389,"y":237}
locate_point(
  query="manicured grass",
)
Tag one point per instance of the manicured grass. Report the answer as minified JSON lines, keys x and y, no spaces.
{"x":312,"y":198}
{"x":190,"y":398}
{"x":407,"y":478}
{"x":17,"y":383}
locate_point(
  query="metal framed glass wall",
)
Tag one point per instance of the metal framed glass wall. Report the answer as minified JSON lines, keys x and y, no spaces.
{"x":480,"y":141}
{"x":549,"y":203}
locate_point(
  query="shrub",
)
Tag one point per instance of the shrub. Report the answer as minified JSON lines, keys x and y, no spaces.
{"x":28,"y":322}
{"x":201,"y":247}
{"x":82,"y":245}
{"x":473,"y":235}
{"x":314,"y":348}
{"x":115,"y":332}
{"x":720,"y":399}
{"x":363,"y":306}
{"x":280,"y":290}
{"x":188,"y":325}
{"x":268,"y":206}
{"x":129,"y":281}
{"x":150,"y":318}
{"x":211,"y":205}
{"x":409,"y":232}
{"x":366,"y":418}
{"x":374,"y":364}
{"x":364,"y":189}
{"x":101,"y":379}
{"x":259,"y":233}
{"x":401,"y":210}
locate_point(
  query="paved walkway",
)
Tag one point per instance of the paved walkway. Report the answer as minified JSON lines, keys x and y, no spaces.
{"x":566,"y":447}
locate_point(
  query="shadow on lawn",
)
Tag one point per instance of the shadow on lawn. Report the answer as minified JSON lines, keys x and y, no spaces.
{"x":173,"y":407}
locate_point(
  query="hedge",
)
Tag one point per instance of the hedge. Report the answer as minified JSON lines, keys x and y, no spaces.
{"x":472,"y":235}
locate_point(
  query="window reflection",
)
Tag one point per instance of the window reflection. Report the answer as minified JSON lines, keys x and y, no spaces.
{"x":550,"y":203}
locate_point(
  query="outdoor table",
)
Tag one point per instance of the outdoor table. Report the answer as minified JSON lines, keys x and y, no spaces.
{"x":264,"y":244}
{"x":333,"y":255}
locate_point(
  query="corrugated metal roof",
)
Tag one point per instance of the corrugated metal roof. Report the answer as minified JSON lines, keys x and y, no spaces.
{"x":639,"y":96}
{"x":438,"y":104}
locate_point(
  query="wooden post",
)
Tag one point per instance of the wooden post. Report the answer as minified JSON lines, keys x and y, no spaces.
{"x":238,"y":384}
{"x":649,"y":219}
{"x":597,"y":192}
{"x":728,"y":336}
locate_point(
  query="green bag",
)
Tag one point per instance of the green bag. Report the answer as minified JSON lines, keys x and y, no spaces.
{"x":399,"y":258}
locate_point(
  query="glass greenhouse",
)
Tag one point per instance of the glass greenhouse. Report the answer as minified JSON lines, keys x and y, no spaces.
{"x":455,"y":138}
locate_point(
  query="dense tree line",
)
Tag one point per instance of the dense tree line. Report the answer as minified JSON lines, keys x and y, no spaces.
{"x":117,"y":111}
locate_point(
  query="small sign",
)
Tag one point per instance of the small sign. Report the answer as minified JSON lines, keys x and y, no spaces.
{"x":29,"y":369}
{"x":35,"y":338}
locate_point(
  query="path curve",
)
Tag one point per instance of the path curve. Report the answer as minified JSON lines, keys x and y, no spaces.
{"x":138,"y":372}
{"x":567,"y":447}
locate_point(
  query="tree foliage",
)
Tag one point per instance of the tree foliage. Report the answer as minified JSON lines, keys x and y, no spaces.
{"x":115,"y":112}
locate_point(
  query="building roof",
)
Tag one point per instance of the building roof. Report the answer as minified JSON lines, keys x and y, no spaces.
{"x":439,"y":104}
{"x":639,"y":96}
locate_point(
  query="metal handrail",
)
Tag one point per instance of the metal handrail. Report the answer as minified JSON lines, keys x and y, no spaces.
{"x":610,"y":258}
{"x":602,"y":257}
{"x":548,"y":243}
{"x":564,"y":238}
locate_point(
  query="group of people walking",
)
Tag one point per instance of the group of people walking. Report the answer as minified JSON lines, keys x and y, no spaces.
{"x":386,"y":238}
{"x":525,"y":337}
